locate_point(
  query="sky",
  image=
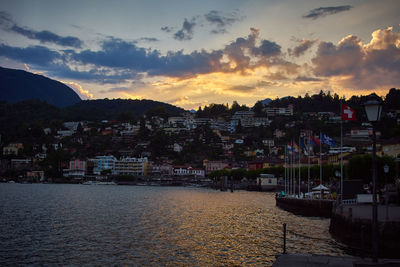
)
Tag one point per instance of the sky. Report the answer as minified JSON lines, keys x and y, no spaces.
{"x":195,"y":53}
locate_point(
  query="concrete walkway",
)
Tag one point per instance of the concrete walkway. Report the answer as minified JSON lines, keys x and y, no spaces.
{"x":307,"y":260}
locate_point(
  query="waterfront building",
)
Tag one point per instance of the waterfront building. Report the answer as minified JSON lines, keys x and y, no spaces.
{"x":77,"y":168}
{"x":102,"y":163}
{"x":132,"y":166}
{"x":188,"y":171}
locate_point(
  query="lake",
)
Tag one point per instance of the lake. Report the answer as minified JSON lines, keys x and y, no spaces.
{"x":65,"y":224}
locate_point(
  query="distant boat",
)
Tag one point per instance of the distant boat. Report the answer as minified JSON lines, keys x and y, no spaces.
{"x":98,"y":183}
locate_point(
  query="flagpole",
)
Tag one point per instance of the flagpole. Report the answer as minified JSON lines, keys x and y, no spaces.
{"x":320,"y":163}
{"x":294,"y":170}
{"x":341,"y":153}
{"x":308,"y":158}
{"x":299,"y":169}
{"x":285,"y":171}
{"x":291,"y":170}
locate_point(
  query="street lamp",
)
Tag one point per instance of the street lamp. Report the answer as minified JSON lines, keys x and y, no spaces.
{"x":373,"y":108}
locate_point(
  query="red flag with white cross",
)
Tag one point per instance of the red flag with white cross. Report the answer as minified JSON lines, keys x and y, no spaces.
{"x":348,"y":114}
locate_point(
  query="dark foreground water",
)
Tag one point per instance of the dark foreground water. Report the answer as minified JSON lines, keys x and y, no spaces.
{"x":49,"y":224}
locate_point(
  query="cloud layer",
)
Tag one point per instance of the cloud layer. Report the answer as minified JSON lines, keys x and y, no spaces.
{"x":119,"y":60}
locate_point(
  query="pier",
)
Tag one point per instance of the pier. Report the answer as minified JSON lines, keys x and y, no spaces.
{"x":306,"y":207}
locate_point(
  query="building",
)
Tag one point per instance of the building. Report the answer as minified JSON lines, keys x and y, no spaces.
{"x":211,"y":166}
{"x":279,"y":111}
{"x":102,"y":163}
{"x":188,"y":171}
{"x":132,"y":166}
{"x":392,"y":150}
{"x":363,"y":133}
{"x":37,"y":176}
{"x":247,"y":119}
{"x":76,"y":168}
{"x":13,"y":149}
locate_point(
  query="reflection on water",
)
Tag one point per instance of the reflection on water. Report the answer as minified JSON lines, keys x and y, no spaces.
{"x":151,"y":226}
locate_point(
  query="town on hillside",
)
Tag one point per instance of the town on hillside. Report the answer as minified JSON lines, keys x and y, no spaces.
{"x":201,"y":146}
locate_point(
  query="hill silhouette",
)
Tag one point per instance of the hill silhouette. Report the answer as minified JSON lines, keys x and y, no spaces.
{"x":19,"y":85}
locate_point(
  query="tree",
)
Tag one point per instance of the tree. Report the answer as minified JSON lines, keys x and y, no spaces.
{"x":259,"y":109}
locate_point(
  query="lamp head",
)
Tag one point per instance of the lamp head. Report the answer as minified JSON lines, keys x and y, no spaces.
{"x":373,"y":108}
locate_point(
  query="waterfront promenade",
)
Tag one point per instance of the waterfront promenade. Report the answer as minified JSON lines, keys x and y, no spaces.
{"x":310,"y":260}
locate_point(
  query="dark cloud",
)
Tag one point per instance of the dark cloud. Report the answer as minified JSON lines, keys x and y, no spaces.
{"x":241,"y":88}
{"x":307,"y":79}
{"x":324,"y":11}
{"x":361,"y":66}
{"x":167,"y":29}
{"x":35,"y":55}
{"x":302,"y":47}
{"x":186,"y":33}
{"x":149,"y":39}
{"x":47,"y":37}
{"x":8,"y":24}
{"x":267,"y":48}
{"x":221,"y":20}
{"x":117,"y":53}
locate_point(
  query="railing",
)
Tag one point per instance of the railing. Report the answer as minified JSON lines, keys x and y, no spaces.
{"x":349,"y":201}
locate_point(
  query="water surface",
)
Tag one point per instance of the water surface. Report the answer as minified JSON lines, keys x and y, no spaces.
{"x":51,"y":224}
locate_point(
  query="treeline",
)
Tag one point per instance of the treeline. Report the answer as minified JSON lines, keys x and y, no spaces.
{"x":325,"y":102}
{"x":17,"y":118}
{"x":354,"y":169}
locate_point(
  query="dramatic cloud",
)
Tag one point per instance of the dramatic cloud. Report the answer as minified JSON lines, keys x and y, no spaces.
{"x":186,"y":33}
{"x":360,"y":66}
{"x":221,"y":20}
{"x":42,"y":36}
{"x":120,"y":61}
{"x":324,"y":11}
{"x":242,"y":54}
{"x":302,"y":47}
{"x":242,"y":51}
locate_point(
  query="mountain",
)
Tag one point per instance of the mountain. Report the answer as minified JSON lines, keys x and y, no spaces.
{"x":119,"y":109}
{"x":266,"y":101}
{"x":19,"y":85}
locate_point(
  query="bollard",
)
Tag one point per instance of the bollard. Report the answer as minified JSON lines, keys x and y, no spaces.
{"x":284,"y":238}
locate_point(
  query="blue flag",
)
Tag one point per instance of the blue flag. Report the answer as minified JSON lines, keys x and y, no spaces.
{"x":327,"y":140}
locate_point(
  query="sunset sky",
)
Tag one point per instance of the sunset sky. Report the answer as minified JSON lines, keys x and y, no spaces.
{"x":194,"y":53}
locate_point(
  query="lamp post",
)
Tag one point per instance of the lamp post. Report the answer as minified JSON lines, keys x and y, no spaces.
{"x":386,"y":171}
{"x":373,"y":109}
{"x":340,"y":197}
